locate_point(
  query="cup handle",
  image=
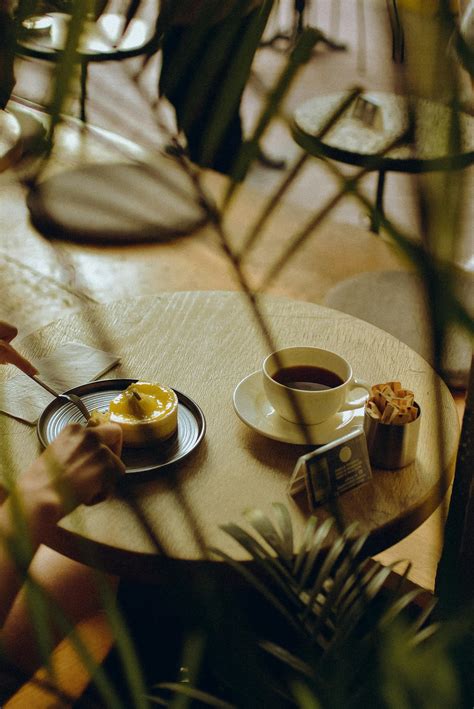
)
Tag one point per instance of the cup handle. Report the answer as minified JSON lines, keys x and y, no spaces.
{"x":357,"y":403}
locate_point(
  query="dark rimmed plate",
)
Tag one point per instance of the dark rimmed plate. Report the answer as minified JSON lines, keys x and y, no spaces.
{"x":138,"y":462}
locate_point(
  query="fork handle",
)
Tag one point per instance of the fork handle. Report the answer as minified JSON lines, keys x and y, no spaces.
{"x":77,"y":401}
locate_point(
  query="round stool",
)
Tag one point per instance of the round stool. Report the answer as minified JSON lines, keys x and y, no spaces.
{"x":395,"y":302}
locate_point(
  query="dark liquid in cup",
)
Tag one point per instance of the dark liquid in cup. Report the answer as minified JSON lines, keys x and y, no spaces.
{"x":308,"y":378}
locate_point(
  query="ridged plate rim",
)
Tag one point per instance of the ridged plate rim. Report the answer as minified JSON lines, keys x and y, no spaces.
{"x":104,"y":385}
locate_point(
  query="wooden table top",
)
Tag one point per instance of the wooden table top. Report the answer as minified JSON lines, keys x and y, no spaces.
{"x":204,"y":344}
{"x":353,"y":142}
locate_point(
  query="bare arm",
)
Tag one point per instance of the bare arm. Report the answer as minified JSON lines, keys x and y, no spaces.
{"x":80,"y":466}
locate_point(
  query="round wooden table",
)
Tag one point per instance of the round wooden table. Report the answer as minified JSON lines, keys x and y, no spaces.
{"x":204,"y":344}
{"x":353,"y":141}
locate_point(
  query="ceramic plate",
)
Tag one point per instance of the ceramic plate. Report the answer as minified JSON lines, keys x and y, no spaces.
{"x":138,"y":462}
{"x":253,"y":408}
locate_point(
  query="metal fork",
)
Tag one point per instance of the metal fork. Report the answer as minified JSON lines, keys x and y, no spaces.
{"x":76,"y":400}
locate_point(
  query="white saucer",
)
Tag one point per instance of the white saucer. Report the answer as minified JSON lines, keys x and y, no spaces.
{"x":253,"y":408}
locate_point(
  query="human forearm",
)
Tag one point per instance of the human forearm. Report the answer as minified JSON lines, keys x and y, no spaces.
{"x":24,"y":523}
{"x":10,"y":575}
{"x":80,"y":467}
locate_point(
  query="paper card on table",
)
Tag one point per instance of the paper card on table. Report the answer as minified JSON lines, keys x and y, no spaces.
{"x":297,"y":482}
{"x":332,"y":469}
{"x":69,"y":366}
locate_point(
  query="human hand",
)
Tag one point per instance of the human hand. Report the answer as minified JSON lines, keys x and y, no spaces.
{"x":8,"y":355}
{"x":81,"y":466}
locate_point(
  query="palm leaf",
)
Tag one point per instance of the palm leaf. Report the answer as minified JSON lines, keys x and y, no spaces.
{"x":260,"y":586}
{"x":65,"y":68}
{"x":314,"y":550}
{"x":44,"y":611}
{"x":263,"y":525}
{"x":400,"y":604}
{"x":331,"y":590}
{"x":40,"y":620}
{"x":356,"y":604}
{"x":282,"y":654}
{"x":267,"y":563}
{"x":355,"y":582}
{"x":308,"y":535}
{"x":192,"y":658}
{"x":304,"y":696}
{"x":128,"y":656}
{"x":299,"y":56}
{"x":286,"y":528}
{"x":193,"y":693}
{"x":329,"y":606}
{"x":326,"y":569}
{"x":424,"y":634}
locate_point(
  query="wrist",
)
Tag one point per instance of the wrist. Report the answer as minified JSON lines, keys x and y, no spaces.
{"x":28,"y":522}
{"x":34,"y":506}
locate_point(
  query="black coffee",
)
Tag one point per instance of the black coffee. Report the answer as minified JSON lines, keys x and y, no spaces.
{"x":308,"y":378}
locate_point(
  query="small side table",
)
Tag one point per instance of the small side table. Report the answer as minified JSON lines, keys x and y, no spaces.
{"x":353,"y":142}
{"x":102,"y":41}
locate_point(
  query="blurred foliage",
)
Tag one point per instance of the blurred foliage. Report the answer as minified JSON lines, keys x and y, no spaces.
{"x":358,"y":644}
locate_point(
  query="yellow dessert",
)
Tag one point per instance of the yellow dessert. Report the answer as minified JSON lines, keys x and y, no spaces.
{"x":145,"y":412}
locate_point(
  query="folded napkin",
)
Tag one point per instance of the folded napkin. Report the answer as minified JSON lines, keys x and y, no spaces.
{"x":69,"y":366}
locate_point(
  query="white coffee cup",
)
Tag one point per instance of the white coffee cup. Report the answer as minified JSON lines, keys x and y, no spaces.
{"x":304,"y":405}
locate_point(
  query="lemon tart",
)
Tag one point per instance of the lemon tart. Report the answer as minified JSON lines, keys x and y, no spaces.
{"x":146,"y":413}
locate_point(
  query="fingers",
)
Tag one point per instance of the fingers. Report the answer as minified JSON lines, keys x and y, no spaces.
{"x":7,"y":332}
{"x":110,"y":434}
{"x":92,"y":459}
{"x":109,"y":468}
{"x":8,"y":355}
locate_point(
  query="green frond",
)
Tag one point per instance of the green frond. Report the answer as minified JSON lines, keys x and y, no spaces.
{"x":309,"y":531}
{"x":266,"y":529}
{"x":260,"y":586}
{"x":313,"y":550}
{"x":286,"y":528}
{"x":193,"y":693}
